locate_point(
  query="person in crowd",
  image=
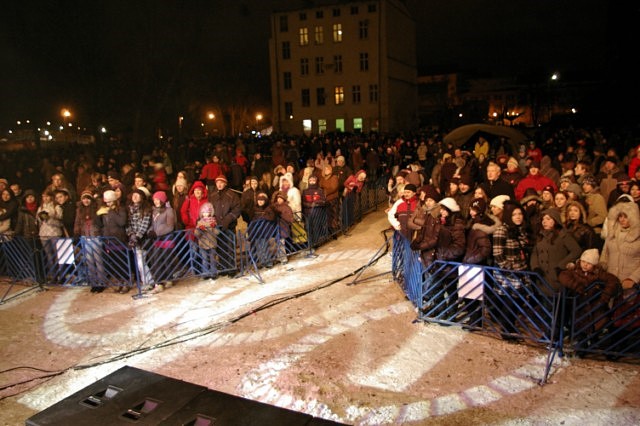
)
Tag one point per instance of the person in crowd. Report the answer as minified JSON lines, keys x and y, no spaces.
{"x":314,"y":208}
{"x":395,"y":187}
{"x":137,"y":228}
{"x":634,"y":192}
{"x":560,"y":201}
{"x":305,"y":173}
{"x":227,"y":210}
{"x":464,"y":195}
{"x":582,"y":169}
{"x":531,"y":202}
{"x":496,"y":206}
{"x":399,"y":214}
{"x":595,"y":203}
{"x":180,"y":192}
{"x":329,"y":184}
{"x":211,"y":171}
{"x":86,"y":226}
{"x":113,"y":179}
{"x":343,"y":171}
{"x":27,"y":221}
{"x":426,"y":224}
{"x":284,"y":219}
{"x":259,"y":165}
{"x":547,"y":196}
{"x":163,"y":223}
{"x":111,"y":221}
{"x":480,"y":229}
{"x":63,"y":199}
{"x":9,"y":207}
{"x":534,"y":180}
{"x":575,"y":223}
{"x":479,"y":193}
{"x":634,"y":164}
{"x":622,"y":186}
{"x":59,"y":181}
{"x":206,"y":233}
{"x":190,"y":209}
{"x":248,"y":198}
{"x":546,"y":169}
{"x":494,"y":185}
{"x":352,"y":185}
{"x":553,"y":249}
{"x":594,"y":289}
{"x":261,"y":231}
{"x":294,"y":197}
{"x":511,"y":249}
{"x":608,"y":177}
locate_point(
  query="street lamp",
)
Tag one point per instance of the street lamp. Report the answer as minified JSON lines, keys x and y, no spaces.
{"x":258,"y":118}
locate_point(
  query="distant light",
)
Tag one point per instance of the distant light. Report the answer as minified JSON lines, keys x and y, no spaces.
{"x":48,"y":123}
{"x":28,"y":121}
{"x":555,"y":76}
{"x":18,"y":122}
{"x":211,"y":116}
{"x":50,"y":137}
{"x":103,"y":130}
{"x":39,"y":129}
{"x":70,"y":124}
{"x":201,"y":124}
{"x":460,"y":115}
{"x":10,"y":132}
{"x":61,"y":127}
{"x":46,"y":133}
{"x":495,"y":114}
{"x":574,"y":111}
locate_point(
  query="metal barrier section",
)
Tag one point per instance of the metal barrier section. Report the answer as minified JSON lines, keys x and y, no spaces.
{"x":20,"y":258}
{"x":261,"y":238}
{"x":517,"y":305}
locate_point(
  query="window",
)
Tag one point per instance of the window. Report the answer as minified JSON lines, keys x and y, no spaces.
{"x":337,"y":33}
{"x":355,"y":93}
{"x":322,"y":126}
{"x":286,"y":80}
{"x":303,"y":16}
{"x":364,"y":62}
{"x":288,"y":110}
{"x":319,"y":65}
{"x":306,"y":126}
{"x":357,"y":125}
{"x":354,"y":10}
{"x":319,"y":14}
{"x":286,"y":50}
{"x":319,"y":35}
{"x":336,"y":12}
{"x":337,"y":63}
{"x":304,"y":66}
{"x":373,"y":93}
{"x":364,"y":29}
{"x":284,"y":24}
{"x":340,"y":124}
{"x":338,"y":94}
{"x":304,"y":36}
{"x":320,"y":96}
{"x":371,"y":8}
{"x":306,"y":98}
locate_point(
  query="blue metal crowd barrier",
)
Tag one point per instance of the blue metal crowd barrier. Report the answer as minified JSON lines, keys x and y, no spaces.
{"x":106,"y":262}
{"x":517,"y":305}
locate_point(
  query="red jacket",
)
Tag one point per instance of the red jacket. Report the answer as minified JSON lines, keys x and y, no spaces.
{"x":190,"y":210}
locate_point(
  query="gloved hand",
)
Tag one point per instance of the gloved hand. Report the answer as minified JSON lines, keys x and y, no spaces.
{"x":133,"y":241}
{"x":102,"y":210}
{"x":152,"y":234}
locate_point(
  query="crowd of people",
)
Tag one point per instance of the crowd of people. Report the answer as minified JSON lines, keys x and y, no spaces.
{"x":539,"y":206}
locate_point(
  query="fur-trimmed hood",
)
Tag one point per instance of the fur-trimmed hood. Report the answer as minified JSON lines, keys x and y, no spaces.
{"x":613,"y":226}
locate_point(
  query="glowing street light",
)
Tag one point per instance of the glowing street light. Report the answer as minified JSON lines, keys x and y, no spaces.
{"x":258,"y":118}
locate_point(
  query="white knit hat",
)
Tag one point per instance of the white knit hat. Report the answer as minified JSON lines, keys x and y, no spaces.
{"x":591,"y":256}
{"x":498,"y":201}
{"x":109,"y":195}
{"x":450,"y":203}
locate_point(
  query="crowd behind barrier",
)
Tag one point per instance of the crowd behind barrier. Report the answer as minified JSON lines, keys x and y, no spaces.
{"x":107,"y":262}
{"x":518,"y":305}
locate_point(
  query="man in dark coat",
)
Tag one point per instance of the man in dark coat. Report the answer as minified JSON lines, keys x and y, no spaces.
{"x":227,"y":210}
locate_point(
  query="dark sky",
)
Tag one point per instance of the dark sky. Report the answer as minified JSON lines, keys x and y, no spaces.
{"x":122,"y":63}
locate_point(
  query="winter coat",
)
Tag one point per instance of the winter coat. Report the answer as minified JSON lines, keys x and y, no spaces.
{"x":621,"y":251}
{"x":27,"y":224}
{"x":398,"y":215}
{"x":190,"y":210}
{"x":138,"y":222}
{"x":313,"y":197}
{"x":596,"y":210}
{"x":163,"y":220}
{"x":294,"y":198}
{"x":426,"y":239}
{"x":226,"y":207}
{"x":451,"y":239}
{"x":479,"y":247}
{"x":51,"y":227}
{"x":111,"y":222}
{"x":85,"y":223}
{"x":206,"y":233}
{"x":352,"y":184}
{"x":537,"y":182}
{"x":551,"y":253}
{"x":511,"y":248}
{"x":493,"y":188}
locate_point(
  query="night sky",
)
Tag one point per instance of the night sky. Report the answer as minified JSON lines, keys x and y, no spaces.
{"x":130,"y":64}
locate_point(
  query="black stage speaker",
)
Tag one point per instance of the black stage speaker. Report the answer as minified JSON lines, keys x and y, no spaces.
{"x":133,"y":396}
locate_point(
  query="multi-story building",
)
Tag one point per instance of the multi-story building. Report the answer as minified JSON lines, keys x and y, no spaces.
{"x":344,"y":66}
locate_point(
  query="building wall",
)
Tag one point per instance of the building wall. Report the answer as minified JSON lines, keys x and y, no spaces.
{"x":391,"y":73}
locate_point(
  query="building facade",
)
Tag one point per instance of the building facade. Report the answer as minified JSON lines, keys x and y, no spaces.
{"x":346,"y":66}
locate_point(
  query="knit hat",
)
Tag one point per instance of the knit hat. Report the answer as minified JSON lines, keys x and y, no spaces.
{"x":479,"y":205}
{"x":113,"y":174}
{"x":160,"y":195}
{"x":109,"y":195}
{"x":410,"y":187}
{"x":591,"y":256}
{"x":534,"y":164}
{"x":262,"y":196}
{"x":553,"y":214}
{"x":622,"y":178}
{"x":550,"y":189}
{"x":3,"y":180}
{"x":466,"y":179}
{"x":206,"y":207}
{"x":254,"y":178}
{"x":182,"y":181}
{"x":512,"y":162}
{"x":498,"y":201}
{"x":144,"y":192}
{"x":221,"y":178}
{"x":530,"y":194}
{"x":450,"y":204}
{"x":85,"y":194}
{"x":430,"y":191}
{"x":575,"y":188}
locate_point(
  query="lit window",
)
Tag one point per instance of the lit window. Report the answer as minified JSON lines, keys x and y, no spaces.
{"x":337,"y":33}
{"x":355,"y":93}
{"x":322,"y":126}
{"x":357,"y":125}
{"x":304,"y":36}
{"x":306,"y":126}
{"x":319,"y":35}
{"x":304,"y":66}
{"x":338,"y":94}
{"x":364,"y":62}
{"x":319,"y":65}
{"x":340,"y":124}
